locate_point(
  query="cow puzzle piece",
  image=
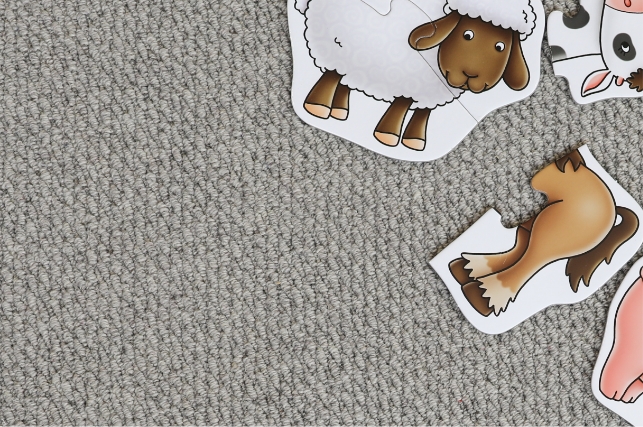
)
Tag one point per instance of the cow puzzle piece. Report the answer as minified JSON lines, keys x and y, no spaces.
{"x":402,"y":77}
{"x":598,"y":50}
{"x":587,"y":232}
{"x":618,"y":376}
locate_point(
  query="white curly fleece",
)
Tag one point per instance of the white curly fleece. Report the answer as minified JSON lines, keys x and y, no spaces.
{"x":519,"y":15}
{"x":372,"y":51}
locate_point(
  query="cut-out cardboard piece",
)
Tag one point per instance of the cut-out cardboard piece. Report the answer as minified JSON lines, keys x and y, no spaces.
{"x":361,"y":74}
{"x":590,"y":228}
{"x":618,"y":376}
{"x":600,"y":49}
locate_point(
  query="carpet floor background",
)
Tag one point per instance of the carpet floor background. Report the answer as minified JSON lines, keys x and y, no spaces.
{"x":177,"y":247}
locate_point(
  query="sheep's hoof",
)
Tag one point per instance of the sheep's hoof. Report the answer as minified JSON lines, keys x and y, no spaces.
{"x":321,"y":111}
{"x":414,"y":143}
{"x":459,"y":272}
{"x":339,"y":113}
{"x":474,"y":294}
{"x":387,"y":138}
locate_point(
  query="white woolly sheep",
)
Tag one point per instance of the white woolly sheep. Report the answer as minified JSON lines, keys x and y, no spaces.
{"x":357,"y":48}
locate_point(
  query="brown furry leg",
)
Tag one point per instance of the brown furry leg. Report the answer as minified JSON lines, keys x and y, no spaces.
{"x":474,"y":294}
{"x":584,"y":266}
{"x":480,"y":265}
{"x":340,"y":103}
{"x":320,"y":99}
{"x":390,"y":126}
{"x":460,"y":272}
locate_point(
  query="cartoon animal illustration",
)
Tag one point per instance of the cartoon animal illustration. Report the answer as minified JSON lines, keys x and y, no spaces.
{"x":477,"y":44}
{"x":578,"y":224}
{"x":609,"y":29}
{"x":622,"y":375}
{"x":620,"y":37}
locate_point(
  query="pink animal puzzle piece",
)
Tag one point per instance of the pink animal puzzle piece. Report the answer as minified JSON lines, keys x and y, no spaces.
{"x":618,"y":377}
{"x":599,"y":49}
{"x":393,"y":76}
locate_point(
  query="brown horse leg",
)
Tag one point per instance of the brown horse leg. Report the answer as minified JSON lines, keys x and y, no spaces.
{"x":390,"y":126}
{"x":339,"y":109}
{"x":415,"y":133}
{"x":473,"y":266}
{"x":320,"y":99}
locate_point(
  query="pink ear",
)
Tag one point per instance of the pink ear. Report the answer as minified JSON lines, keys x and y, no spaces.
{"x":598,"y":81}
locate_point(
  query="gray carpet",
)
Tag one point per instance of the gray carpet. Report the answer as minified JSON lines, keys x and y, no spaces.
{"x":177,"y":247}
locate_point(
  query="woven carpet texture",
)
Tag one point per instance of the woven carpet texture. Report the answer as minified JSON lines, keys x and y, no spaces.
{"x":178,"y":247}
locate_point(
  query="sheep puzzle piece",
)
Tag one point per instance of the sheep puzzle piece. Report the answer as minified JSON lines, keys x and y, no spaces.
{"x":410,"y":79}
{"x":586,"y":233}
{"x":598,"y":50}
{"x":618,"y":376}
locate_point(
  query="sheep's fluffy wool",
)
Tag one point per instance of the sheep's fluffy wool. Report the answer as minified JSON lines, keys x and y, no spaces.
{"x":372,"y":51}
{"x":518,"y":15}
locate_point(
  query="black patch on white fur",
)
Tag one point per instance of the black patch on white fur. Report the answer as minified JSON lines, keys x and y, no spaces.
{"x":558,"y":53}
{"x":577,"y":21}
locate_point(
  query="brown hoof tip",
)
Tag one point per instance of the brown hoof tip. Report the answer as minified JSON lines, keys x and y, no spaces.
{"x":320,"y":111}
{"x":387,"y":138}
{"x":414,"y":143}
{"x":459,"y":272}
{"x":473,"y":293}
{"x":339,"y":114}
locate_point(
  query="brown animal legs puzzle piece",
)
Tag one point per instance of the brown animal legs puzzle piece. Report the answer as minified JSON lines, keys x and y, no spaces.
{"x":577,"y":225}
{"x":587,"y":221}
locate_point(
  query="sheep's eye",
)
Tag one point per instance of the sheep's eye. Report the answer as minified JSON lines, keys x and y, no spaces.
{"x":468,"y":35}
{"x":626,"y":47}
{"x":500,"y":46}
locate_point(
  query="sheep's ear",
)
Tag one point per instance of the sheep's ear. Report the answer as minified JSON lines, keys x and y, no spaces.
{"x":517,"y":73}
{"x":433,"y":33}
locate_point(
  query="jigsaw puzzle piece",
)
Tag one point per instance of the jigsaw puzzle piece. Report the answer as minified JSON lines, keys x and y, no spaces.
{"x":618,"y":375}
{"x":596,"y":50}
{"x":501,"y":277}
{"x":371,"y":71}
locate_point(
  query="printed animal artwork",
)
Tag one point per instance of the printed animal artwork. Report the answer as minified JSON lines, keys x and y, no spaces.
{"x":410,"y":79}
{"x":599,"y":50}
{"x":618,"y":376}
{"x":587,"y":231}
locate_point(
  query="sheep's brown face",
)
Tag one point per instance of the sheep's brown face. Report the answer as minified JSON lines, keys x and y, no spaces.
{"x":474,"y":56}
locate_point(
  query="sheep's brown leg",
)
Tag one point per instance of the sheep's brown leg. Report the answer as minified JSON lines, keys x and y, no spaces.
{"x":340,"y":103}
{"x":320,"y":99}
{"x":415,"y":133}
{"x":389,"y":128}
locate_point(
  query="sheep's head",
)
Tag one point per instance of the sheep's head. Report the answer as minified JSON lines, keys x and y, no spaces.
{"x":474,"y":55}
